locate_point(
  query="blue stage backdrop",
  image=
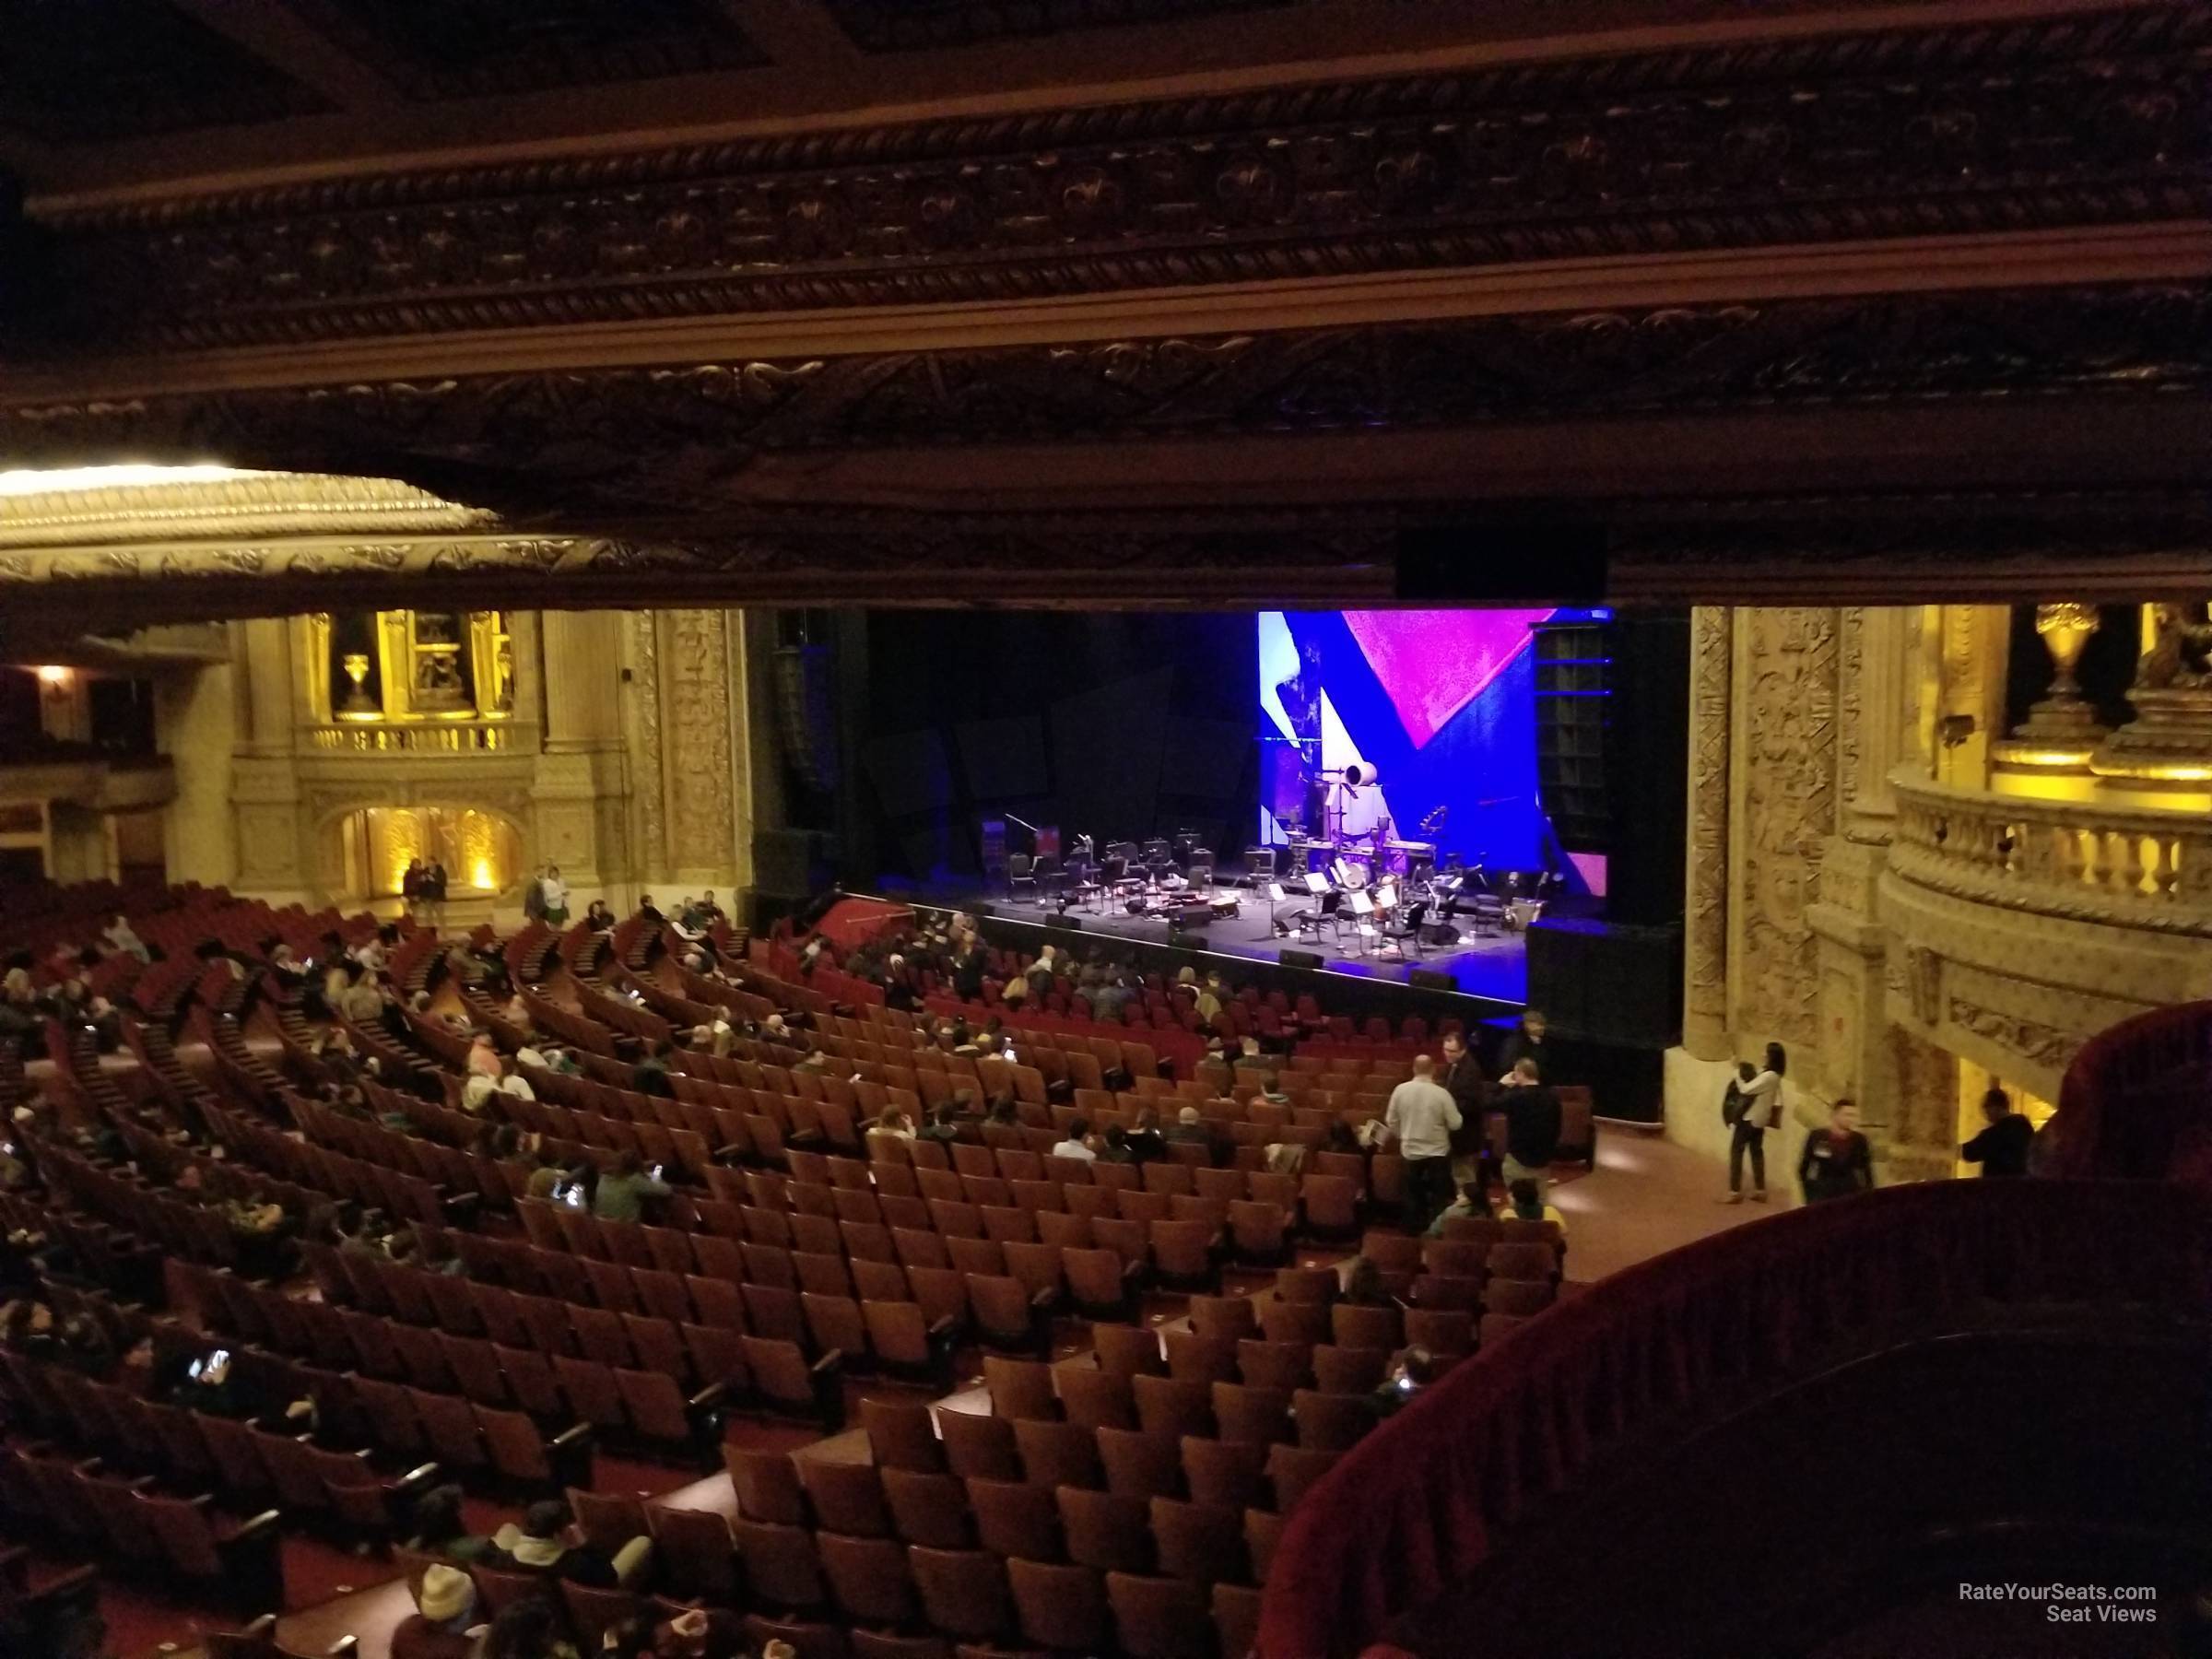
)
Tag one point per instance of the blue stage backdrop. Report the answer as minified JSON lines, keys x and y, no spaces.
{"x":1438,"y":706}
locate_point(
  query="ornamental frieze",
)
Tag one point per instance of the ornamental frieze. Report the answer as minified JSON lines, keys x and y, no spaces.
{"x":2042,"y":123}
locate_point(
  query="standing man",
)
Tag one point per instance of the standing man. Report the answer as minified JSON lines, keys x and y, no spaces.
{"x":1837,"y":1160}
{"x":2002,"y":1149}
{"x":1421,"y":1117}
{"x":1531,"y":1126}
{"x":534,"y":898}
{"x":1525,"y":1044}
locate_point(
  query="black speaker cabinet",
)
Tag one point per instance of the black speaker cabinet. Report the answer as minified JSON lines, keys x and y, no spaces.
{"x":1299,"y":959}
{"x":1428,"y":979}
{"x":1065,"y":923}
{"x":1608,"y":980}
{"x":1181,"y":939}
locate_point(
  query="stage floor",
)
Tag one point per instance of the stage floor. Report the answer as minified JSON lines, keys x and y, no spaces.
{"x":1494,"y":967}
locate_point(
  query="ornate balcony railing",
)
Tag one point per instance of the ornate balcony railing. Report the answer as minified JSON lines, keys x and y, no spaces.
{"x":414,"y":737}
{"x":2080,"y":860}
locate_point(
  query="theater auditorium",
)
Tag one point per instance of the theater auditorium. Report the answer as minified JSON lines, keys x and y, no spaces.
{"x":1153,"y":829}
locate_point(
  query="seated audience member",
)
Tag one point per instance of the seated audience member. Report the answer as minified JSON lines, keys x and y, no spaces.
{"x":650,"y":1075}
{"x":363,"y":1001}
{"x":646,"y":912}
{"x":1409,"y":1373}
{"x":518,"y":1011}
{"x":1363,"y":1286}
{"x":1473,"y":1203}
{"x":119,"y":935}
{"x":1145,"y":1143}
{"x":896,"y":1124}
{"x":1005,"y":1114}
{"x":533,"y":1628}
{"x":1077,"y":1145}
{"x":435,"y":1527}
{"x":704,"y":1633}
{"x":943,"y":1123}
{"x":1116,"y":1150}
{"x":1016,"y":993}
{"x":476,"y":1093}
{"x":1524,"y":1202}
{"x":286,"y":966}
{"x":540,"y":1544}
{"x":2002,"y":1149}
{"x":598,"y":917}
{"x":441,"y":1627}
{"x":483,"y":1058}
{"x":1190,"y":1128}
{"x":624,"y":1190}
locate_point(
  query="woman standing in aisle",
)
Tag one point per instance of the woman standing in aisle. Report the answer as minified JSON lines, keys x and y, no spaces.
{"x":555,"y":892}
{"x":1760,"y":1095}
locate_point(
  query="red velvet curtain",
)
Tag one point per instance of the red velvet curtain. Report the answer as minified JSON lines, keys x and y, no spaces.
{"x":1416,"y":1505}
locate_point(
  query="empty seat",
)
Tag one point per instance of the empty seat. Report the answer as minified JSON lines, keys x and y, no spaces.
{"x":1062,"y":1607}
{"x":901,"y":1435}
{"x":1020,"y":1388}
{"x":781,"y":1567}
{"x":1013,"y":1518}
{"x":979,"y":1445}
{"x":847,"y":1497}
{"x":1293,"y":1469}
{"x":868,"y":1577}
{"x":1095,"y":1398}
{"x":963,"y":1592}
{"x":1231,"y":1473}
{"x":1201,"y":1541}
{"x":1057,"y":1455}
{"x":928,"y":1508}
{"x":1160,"y":1617}
{"x":1252,"y":1414}
{"x":1104,"y":1529}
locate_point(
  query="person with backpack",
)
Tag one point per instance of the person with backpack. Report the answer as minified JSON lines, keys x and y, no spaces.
{"x":1754,"y":1097}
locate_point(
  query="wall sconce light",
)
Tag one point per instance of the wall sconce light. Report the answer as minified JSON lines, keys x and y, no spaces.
{"x":53,"y":675}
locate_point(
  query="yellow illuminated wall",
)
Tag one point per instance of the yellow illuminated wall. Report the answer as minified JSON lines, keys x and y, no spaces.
{"x":479,"y":849}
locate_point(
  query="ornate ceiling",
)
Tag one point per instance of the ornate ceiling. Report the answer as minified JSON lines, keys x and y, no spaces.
{"x":1755,"y":300}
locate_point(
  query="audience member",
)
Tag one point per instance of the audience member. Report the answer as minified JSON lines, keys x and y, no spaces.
{"x":1420,"y":1118}
{"x":650,"y":1075}
{"x":1524,"y":1042}
{"x":2002,"y":1149}
{"x":1837,"y":1161}
{"x":1473,"y":1203}
{"x":1076,"y":1144}
{"x":1758,"y":1100}
{"x":1526,"y":1203}
{"x":1532,"y":1124}
{"x":439,"y":1628}
{"x":530,"y":1629}
{"x":624,"y":1190}
{"x":943,"y":1123}
{"x":1190,"y":1128}
{"x":1145,"y":1142}
{"x":541,"y":1545}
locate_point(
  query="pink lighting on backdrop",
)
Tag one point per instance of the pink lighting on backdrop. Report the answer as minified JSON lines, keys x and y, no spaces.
{"x":1433,"y":664}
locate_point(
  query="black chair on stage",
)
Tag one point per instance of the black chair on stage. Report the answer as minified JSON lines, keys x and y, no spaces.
{"x":1408,"y":928}
{"x":1488,"y":911}
{"x":1021,"y":879}
{"x":1324,"y":914}
{"x":1050,"y":877}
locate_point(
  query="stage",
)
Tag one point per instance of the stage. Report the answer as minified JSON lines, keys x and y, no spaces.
{"x":1494,"y":969}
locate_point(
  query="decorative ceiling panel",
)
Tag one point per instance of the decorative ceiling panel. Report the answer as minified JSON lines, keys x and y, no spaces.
{"x":2054,"y":122}
{"x":910,"y":24}
{"x":91,"y":71}
{"x":436,"y":49}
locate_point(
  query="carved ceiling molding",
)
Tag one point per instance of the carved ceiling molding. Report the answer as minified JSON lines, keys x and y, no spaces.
{"x":2064,"y":120}
{"x":1775,"y":551}
{"x":917,"y":25}
{"x":251,"y":505}
{"x":677,"y":439}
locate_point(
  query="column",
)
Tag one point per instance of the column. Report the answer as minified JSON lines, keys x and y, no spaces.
{"x":271,"y":830}
{"x":1705,"y":890}
{"x":570,"y":664}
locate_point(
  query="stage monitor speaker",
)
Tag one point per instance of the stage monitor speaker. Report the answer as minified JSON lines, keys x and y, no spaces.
{"x":1067,"y":924}
{"x":1182,"y":939}
{"x":1299,"y":959}
{"x":1428,"y":979}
